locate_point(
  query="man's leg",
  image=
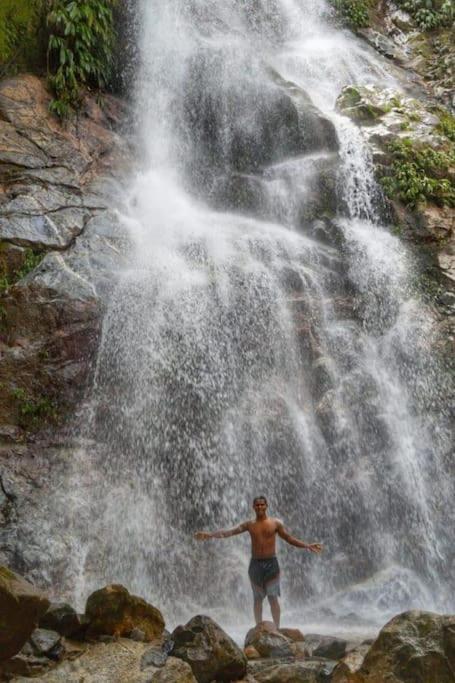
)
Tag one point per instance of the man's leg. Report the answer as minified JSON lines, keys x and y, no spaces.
{"x":257,"y":609}
{"x":275,"y":609}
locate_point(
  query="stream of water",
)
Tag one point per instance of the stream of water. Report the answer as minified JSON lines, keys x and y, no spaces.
{"x":265,"y":339}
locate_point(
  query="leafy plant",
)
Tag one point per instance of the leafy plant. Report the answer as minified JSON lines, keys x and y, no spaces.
{"x":419,"y":173}
{"x":31,"y":260}
{"x":80,"y":50}
{"x":354,"y":12}
{"x":446,"y":125}
{"x":430,"y":14}
{"x":33,"y":411}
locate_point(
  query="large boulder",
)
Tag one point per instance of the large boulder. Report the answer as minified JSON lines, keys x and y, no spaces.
{"x":210,"y":652}
{"x":114,"y":611}
{"x":21,"y":606}
{"x":268,"y":641}
{"x":414,"y":647}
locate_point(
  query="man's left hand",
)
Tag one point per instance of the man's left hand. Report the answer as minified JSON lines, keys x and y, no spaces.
{"x":315,"y":547}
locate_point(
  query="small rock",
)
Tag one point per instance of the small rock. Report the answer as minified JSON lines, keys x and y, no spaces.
{"x":330,"y":648}
{"x":268,"y":641}
{"x":62,"y":618}
{"x":210,"y":652}
{"x":295,"y":672}
{"x":154,"y":657}
{"x":138,"y":635}
{"x":44,"y":641}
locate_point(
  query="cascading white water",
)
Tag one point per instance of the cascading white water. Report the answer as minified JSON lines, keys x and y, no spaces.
{"x":265,"y":338}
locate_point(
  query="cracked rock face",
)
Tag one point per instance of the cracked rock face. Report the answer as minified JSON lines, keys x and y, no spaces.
{"x":60,"y":242}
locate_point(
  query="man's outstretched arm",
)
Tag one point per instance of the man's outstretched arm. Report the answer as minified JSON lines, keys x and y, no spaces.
{"x":206,"y":535}
{"x":285,"y":535}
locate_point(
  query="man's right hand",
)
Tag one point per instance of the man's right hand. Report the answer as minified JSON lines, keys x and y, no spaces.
{"x":202,"y":535}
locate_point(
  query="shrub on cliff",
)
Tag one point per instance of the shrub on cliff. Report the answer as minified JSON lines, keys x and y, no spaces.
{"x":420,"y":173}
{"x":430,"y":14}
{"x":80,"y":51}
{"x":355,"y":13}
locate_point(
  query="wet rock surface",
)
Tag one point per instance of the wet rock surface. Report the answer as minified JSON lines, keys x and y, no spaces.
{"x":268,"y":642}
{"x":417,"y":647}
{"x":393,"y":124}
{"x":59,"y":240}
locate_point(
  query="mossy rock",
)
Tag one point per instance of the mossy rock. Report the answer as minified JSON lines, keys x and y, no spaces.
{"x":114,"y":611}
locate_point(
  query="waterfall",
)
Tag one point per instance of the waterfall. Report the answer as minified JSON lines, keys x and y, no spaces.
{"x":265,"y":339}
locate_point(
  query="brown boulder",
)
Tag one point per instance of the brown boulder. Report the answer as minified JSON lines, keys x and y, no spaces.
{"x":21,"y":606}
{"x":210,"y":652}
{"x":114,"y":611}
{"x":268,"y":641}
{"x":414,"y":647}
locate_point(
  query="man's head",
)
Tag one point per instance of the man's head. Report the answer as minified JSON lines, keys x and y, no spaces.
{"x":260,"y":506}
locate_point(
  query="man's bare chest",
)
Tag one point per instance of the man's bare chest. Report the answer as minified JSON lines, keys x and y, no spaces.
{"x":261,"y":531}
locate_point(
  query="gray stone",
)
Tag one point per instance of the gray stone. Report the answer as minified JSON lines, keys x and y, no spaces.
{"x":210,"y":652}
{"x":156,"y":656}
{"x":45,"y":642}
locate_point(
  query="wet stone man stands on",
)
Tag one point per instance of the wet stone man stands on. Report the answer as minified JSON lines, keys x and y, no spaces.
{"x":264,"y":570}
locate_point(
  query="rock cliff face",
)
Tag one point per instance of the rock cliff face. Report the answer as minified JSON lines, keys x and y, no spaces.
{"x":58,"y":243}
{"x":59,"y":246}
{"x":410,"y":132}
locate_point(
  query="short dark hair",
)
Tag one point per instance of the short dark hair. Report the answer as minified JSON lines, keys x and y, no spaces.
{"x":260,"y":498}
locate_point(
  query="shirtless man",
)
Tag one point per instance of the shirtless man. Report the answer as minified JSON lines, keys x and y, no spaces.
{"x":264,"y":570}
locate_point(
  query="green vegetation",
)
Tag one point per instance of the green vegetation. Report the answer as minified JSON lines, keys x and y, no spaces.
{"x":80,"y":51}
{"x":446,"y":125}
{"x":419,"y":173}
{"x":355,"y":13}
{"x":31,"y":260}
{"x":430,"y":14}
{"x":33,"y":411}
{"x":22,"y":35}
